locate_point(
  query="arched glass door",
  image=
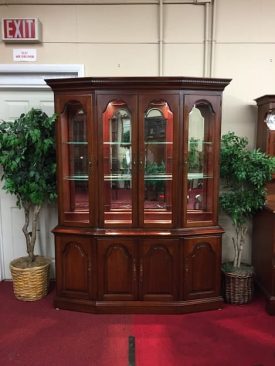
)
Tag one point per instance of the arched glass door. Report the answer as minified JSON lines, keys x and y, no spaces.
{"x":117,"y":163}
{"x":157,"y":160}
{"x":75,"y":164}
{"x":201,"y":163}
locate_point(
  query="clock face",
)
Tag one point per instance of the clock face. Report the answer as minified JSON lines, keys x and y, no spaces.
{"x":270,"y":121}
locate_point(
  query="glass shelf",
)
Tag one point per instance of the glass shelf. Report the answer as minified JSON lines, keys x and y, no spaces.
{"x":190,"y":142}
{"x":192,"y":176}
{"x":158,"y":143}
{"x":117,"y":143}
{"x":158,"y":177}
{"x":77,"y":177}
{"x":117,"y":177}
{"x":76,"y":142}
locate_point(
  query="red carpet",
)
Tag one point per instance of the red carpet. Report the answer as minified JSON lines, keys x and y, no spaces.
{"x":35,"y":334}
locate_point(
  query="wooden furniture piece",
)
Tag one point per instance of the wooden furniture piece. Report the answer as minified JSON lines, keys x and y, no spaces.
{"x":138,"y":178}
{"x":263,"y":239}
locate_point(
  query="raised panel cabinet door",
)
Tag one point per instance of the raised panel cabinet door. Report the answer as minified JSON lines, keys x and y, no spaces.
{"x":117,"y":269}
{"x":158,"y":269}
{"x":201,"y":267}
{"x":76,"y":162}
{"x":75,"y":267}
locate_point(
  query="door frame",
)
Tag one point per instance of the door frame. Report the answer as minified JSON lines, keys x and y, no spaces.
{"x":31,"y":77}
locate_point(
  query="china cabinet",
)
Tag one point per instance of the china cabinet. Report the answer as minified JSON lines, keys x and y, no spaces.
{"x":263,"y":239}
{"x":138,"y":175}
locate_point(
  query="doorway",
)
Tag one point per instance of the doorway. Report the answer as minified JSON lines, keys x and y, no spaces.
{"x":22,"y":87}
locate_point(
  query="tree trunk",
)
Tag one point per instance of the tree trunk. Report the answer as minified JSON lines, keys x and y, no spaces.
{"x":243,"y":231}
{"x":238,"y":243}
{"x":31,"y":213}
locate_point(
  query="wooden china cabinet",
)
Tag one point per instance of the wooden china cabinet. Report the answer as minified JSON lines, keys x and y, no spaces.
{"x":263,"y":239}
{"x":138,"y":175}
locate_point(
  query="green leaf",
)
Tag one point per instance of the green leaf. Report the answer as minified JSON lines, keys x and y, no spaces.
{"x":27,"y":156}
{"x":245,"y":173}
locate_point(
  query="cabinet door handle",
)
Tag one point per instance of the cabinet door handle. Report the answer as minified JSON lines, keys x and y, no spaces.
{"x":141,"y":272}
{"x":134,"y":270}
{"x":186,"y":266}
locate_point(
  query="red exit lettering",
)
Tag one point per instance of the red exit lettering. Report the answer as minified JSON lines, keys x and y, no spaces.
{"x":20,"y":29}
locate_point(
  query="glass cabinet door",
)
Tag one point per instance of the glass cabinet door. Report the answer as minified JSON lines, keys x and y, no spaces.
{"x":74,"y":163}
{"x":201,"y":164}
{"x":117,"y":163}
{"x":156,"y":161}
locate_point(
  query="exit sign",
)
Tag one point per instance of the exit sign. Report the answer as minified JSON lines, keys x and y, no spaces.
{"x":21,"y":30}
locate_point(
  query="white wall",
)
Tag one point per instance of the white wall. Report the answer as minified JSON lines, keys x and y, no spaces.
{"x":117,"y":39}
{"x":221,"y":38}
{"x":245,"y":51}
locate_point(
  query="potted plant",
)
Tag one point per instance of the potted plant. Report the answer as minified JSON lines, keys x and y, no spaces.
{"x":244,"y":175}
{"x":27,"y":157}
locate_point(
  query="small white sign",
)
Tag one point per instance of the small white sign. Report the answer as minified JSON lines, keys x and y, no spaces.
{"x":24,"y":54}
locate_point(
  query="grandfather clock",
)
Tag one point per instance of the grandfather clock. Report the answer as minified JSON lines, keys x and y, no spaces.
{"x":263,"y":238}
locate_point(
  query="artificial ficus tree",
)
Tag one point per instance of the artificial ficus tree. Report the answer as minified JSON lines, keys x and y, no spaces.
{"x":27,"y":157}
{"x":244,"y":174}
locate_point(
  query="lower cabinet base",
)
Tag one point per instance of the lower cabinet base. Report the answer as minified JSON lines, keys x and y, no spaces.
{"x":269,"y":298}
{"x":139,"y":273}
{"x":139,"y":307}
{"x":269,"y":301}
{"x":263,"y":251}
{"x":270,"y":305}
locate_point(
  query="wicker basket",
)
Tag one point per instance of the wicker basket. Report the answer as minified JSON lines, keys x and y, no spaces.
{"x":30,"y":284}
{"x":238,"y":287}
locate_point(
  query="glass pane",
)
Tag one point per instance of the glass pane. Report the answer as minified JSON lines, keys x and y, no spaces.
{"x":200,"y":161}
{"x":75,"y":147}
{"x":158,"y":148}
{"x":117,"y":134}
